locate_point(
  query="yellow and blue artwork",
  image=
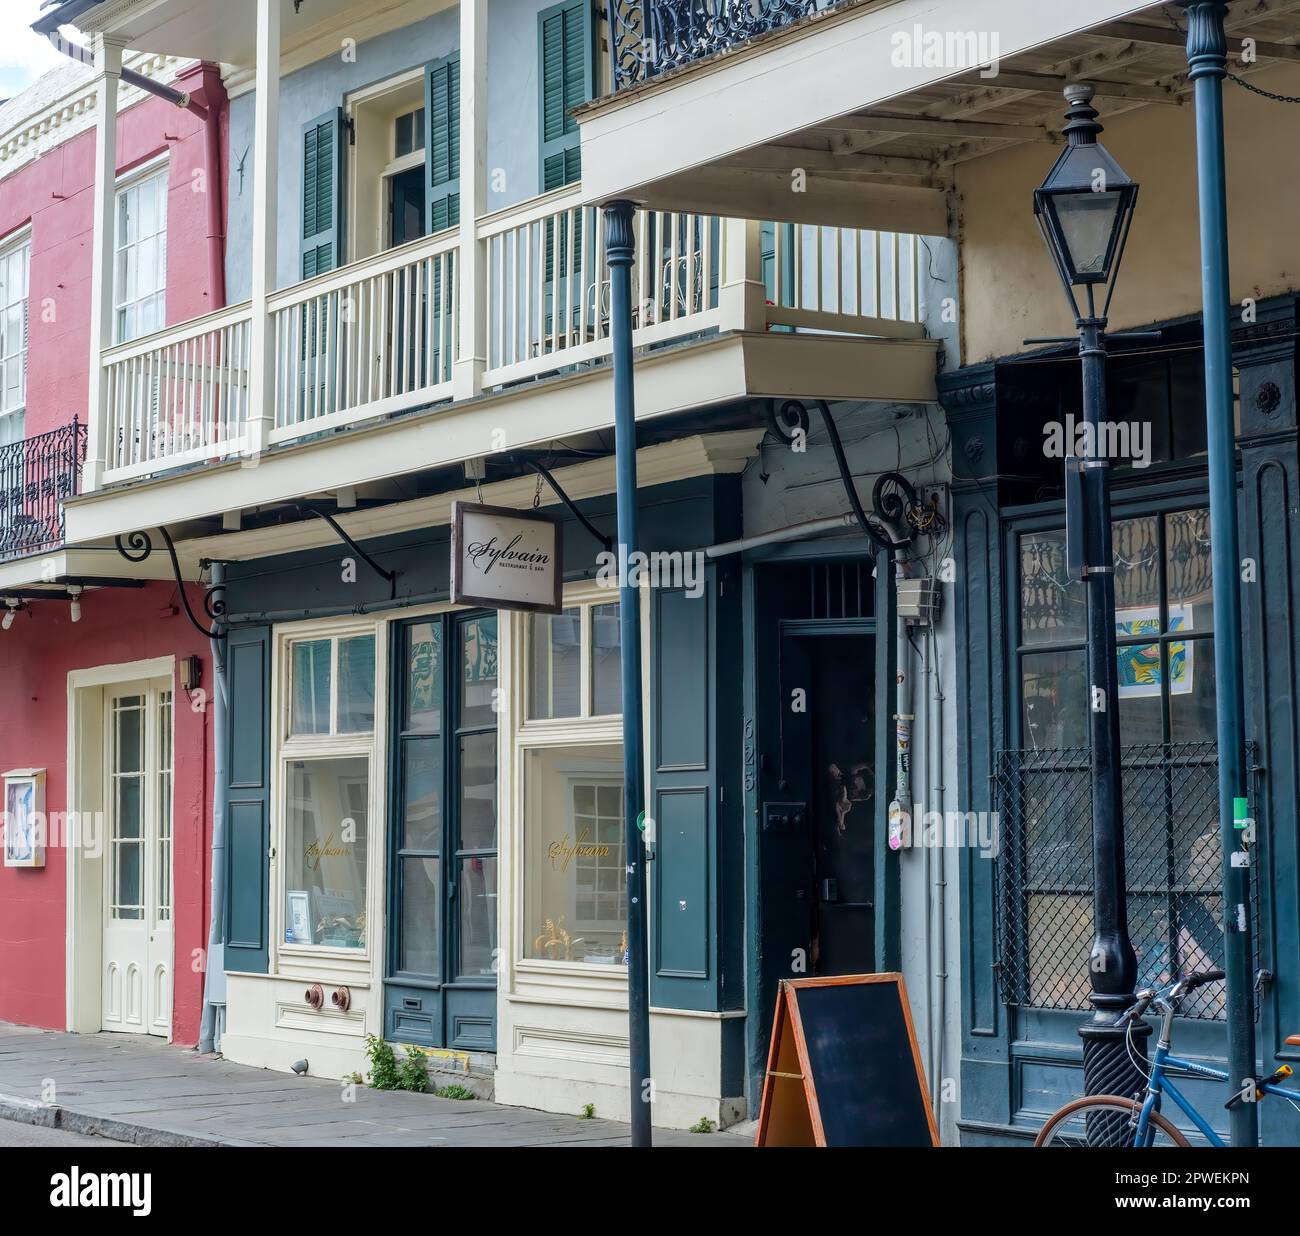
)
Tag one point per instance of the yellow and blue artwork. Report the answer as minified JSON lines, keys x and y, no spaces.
{"x":1140,"y":671}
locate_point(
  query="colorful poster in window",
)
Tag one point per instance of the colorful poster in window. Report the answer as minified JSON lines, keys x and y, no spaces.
{"x":1140,"y":671}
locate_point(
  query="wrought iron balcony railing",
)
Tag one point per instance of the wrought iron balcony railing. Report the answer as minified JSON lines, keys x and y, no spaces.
{"x":36,"y":475}
{"x":650,"y":37}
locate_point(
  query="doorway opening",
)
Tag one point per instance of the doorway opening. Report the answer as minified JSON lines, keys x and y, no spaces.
{"x":822,"y":709}
{"x":120,"y":962}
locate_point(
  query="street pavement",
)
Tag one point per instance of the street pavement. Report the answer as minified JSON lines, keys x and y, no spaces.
{"x":141,"y":1090}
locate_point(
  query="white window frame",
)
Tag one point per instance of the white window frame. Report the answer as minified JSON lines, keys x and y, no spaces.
{"x":304,"y":959}
{"x":155,"y":170}
{"x":18,"y":244}
{"x":369,"y":185}
{"x":585,"y":730}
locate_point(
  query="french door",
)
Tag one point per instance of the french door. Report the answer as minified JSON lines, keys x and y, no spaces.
{"x":137,"y":954}
{"x":440,"y":989}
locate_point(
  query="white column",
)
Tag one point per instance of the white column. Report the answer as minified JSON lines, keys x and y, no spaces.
{"x":471,"y":356}
{"x":108,"y":69}
{"x":266,"y":163}
{"x":742,"y":298}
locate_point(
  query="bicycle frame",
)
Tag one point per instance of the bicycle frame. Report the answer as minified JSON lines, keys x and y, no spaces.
{"x":1159,"y":1084}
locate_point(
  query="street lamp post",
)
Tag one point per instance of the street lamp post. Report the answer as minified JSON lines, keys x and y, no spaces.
{"x":1084,"y":208}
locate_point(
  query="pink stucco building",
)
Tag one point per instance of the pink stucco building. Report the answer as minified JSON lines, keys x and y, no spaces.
{"x":111,"y":931}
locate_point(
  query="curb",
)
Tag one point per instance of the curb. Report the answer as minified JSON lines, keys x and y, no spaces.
{"x":53,"y":1116}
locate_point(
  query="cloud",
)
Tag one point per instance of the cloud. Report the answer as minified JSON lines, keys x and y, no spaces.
{"x":24,"y":56}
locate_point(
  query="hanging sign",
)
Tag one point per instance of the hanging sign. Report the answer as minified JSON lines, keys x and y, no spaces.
{"x":506,"y":559}
{"x":843,"y":1068}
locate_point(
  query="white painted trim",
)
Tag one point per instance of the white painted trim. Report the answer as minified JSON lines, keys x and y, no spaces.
{"x":153,"y":668}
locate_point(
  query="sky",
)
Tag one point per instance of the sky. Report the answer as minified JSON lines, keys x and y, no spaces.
{"x":24,"y":56}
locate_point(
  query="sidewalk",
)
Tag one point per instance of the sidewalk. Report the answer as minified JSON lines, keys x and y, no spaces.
{"x":144,"y":1091}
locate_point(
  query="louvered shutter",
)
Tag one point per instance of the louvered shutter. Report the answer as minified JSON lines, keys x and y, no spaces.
{"x":566,"y":74}
{"x":322,"y":194}
{"x":442,"y":142}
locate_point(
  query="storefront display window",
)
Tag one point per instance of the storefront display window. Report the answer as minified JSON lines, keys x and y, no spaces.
{"x":574,"y":855}
{"x":325,"y":778}
{"x":325,"y":852}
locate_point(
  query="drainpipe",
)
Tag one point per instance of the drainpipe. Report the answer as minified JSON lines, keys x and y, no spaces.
{"x":211,"y":117}
{"x":214,"y":973}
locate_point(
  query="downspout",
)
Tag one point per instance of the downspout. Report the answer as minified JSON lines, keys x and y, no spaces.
{"x":211,"y":117}
{"x":214,"y":971}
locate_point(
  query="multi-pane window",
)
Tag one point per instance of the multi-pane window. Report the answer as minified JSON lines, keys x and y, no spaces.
{"x":575,"y":866}
{"x":325,"y":782}
{"x":15,"y":264}
{"x":127,"y":784}
{"x":140,"y":279}
{"x":574,"y":663}
{"x":1163,"y":628}
{"x":1165,"y":661}
{"x":445,"y":798}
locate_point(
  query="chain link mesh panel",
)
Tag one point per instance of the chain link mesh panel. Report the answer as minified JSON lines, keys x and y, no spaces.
{"x":1045,"y":877}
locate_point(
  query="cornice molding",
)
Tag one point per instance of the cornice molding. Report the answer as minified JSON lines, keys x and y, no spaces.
{"x":72,"y":113}
{"x":678,"y":460}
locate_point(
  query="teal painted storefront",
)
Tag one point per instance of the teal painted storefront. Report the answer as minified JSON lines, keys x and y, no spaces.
{"x":1021,"y":1056}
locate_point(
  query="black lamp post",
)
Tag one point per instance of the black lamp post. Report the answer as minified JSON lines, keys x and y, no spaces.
{"x":1084,"y":208}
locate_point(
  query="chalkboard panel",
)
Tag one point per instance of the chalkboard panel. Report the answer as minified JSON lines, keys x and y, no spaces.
{"x":844,"y":1068}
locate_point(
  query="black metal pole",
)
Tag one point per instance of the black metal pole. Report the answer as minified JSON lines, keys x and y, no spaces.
{"x":1207,"y":56}
{"x":620,"y":251}
{"x":1112,"y":966}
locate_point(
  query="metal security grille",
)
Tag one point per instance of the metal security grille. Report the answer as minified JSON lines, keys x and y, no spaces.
{"x":1045,"y":875}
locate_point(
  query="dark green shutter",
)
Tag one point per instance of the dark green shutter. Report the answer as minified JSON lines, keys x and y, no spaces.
{"x":322,"y":194}
{"x":566,"y":74}
{"x":248,"y":816}
{"x":442,"y":142}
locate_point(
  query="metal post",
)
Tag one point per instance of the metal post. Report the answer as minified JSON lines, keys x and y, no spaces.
{"x":1112,"y":969}
{"x":1207,"y":57}
{"x":620,"y":251}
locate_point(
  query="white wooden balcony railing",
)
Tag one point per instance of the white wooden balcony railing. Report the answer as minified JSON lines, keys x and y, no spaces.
{"x":381,"y":335}
{"x":367,"y":339}
{"x":179,"y":396}
{"x":548,"y":283}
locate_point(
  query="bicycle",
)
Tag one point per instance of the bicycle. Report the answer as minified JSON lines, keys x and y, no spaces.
{"x":1115,"y":1120}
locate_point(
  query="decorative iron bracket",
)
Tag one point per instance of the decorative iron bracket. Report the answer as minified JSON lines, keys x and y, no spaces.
{"x":137,"y":546}
{"x":340,"y":532}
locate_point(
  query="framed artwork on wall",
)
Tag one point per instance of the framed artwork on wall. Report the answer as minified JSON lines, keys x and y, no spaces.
{"x":24,"y":817}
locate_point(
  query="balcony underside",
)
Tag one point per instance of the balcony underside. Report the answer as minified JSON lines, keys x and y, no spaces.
{"x":225,"y":32}
{"x":713,"y":371}
{"x":865,"y":136}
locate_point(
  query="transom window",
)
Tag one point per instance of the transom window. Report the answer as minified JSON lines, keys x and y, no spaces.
{"x":574,"y":663}
{"x":15,"y":265}
{"x":140,"y":281}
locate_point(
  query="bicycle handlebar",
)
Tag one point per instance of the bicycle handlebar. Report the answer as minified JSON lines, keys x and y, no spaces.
{"x":1176,"y":990}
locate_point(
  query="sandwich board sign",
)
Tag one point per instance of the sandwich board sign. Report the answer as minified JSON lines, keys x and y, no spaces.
{"x":843,"y":1068}
{"x":506,"y":559}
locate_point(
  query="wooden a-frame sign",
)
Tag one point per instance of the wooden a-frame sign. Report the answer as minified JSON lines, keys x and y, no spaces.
{"x":843,"y":1067}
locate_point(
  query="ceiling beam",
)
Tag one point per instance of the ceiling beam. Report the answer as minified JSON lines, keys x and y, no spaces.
{"x":925,"y":126}
{"x":1167,"y":36}
{"x":786,"y":158}
{"x":1054,"y":83}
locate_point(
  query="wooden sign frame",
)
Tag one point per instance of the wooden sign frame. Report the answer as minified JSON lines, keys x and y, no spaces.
{"x":461,"y":596}
{"x":790,"y":1122}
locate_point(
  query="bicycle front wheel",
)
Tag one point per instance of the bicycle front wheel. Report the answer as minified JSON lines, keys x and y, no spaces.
{"x":1105,"y":1121}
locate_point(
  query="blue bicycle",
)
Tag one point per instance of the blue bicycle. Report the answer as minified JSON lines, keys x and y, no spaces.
{"x":1115,"y":1120}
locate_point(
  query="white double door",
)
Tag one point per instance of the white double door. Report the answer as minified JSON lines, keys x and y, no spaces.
{"x":138,"y":938}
